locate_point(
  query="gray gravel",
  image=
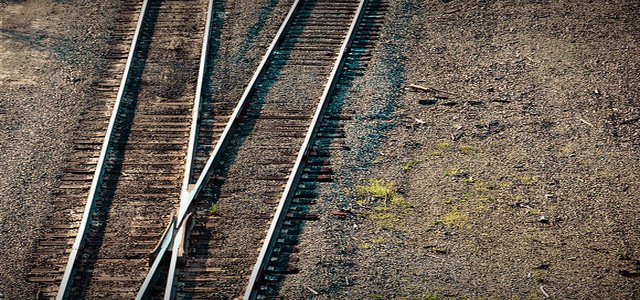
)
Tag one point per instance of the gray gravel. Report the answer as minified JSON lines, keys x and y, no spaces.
{"x":49,"y":55}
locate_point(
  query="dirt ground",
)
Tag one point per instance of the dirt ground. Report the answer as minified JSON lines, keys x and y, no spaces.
{"x":511,"y":172}
{"x":47,"y":63}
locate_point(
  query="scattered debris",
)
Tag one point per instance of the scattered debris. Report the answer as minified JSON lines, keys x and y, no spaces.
{"x":546,"y":295}
{"x":543,"y":266}
{"x":428,"y":101}
{"x":492,"y":128}
{"x":520,"y":205}
{"x":311,"y":290}
{"x":433,"y":256}
{"x":459,"y":173}
{"x":502,"y":99}
{"x":430,"y":89}
{"x":585,"y":121}
{"x":458,"y":134}
{"x":419,"y":121}
{"x":441,"y":250}
{"x":448,"y":12}
{"x":629,"y":273}
{"x":437,"y":250}
{"x":340,"y":213}
{"x":419,"y":87}
{"x":543,"y":220}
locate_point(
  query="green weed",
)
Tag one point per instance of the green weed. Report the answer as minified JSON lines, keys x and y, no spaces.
{"x":435,"y":153}
{"x":213,"y":209}
{"x":454,"y":219}
{"x":526,"y":180}
{"x":467,"y":149}
{"x":410,"y":164}
{"x":443,"y":145}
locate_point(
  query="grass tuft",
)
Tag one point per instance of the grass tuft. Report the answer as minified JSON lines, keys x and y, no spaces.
{"x":383,"y":202}
{"x":526,"y":180}
{"x":410,"y":164}
{"x":443,"y":145}
{"x":454,"y":219}
{"x":376,"y":193}
{"x":467,"y":149}
{"x":213,"y":209}
{"x":378,"y":240}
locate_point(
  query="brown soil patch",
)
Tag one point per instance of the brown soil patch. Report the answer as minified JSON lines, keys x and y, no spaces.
{"x":513,"y":174}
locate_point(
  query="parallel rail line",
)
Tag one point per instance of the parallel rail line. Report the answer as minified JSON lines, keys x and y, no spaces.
{"x":75,"y":184}
{"x":275,"y":227}
{"x":323,"y":31}
{"x":258,"y":158}
{"x":135,"y":182}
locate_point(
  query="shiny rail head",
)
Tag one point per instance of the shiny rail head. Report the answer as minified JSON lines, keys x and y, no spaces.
{"x":261,"y":263}
{"x":70,"y":270}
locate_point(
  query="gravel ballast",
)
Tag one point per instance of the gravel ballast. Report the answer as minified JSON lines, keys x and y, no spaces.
{"x":52,"y":52}
{"x":49,"y":56}
{"x":509,"y":169}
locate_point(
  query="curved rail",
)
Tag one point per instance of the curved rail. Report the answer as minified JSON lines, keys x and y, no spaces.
{"x":294,"y":177}
{"x":69,"y":272}
{"x":193,"y":135}
{"x":188,"y":197}
{"x":215,"y":155}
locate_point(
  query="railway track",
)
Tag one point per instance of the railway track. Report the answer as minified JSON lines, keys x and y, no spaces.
{"x":52,"y":252}
{"x":261,"y":158}
{"x":139,"y":168}
{"x":279,"y":257}
{"x":277,"y":115}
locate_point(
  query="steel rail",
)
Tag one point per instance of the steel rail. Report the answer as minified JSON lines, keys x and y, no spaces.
{"x":165,"y":243}
{"x":186,"y":205}
{"x":215,"y":155}
{"x":276,"y":223}
{"x":193,"y":135}
{"x":171,"y":239}
{"x":78,"y":244}
{"x":175,"y":239}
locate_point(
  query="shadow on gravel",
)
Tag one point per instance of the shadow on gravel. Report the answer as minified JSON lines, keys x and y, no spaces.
{"x":252,"y":35}
{"x":207,"y":92}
